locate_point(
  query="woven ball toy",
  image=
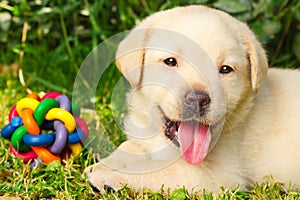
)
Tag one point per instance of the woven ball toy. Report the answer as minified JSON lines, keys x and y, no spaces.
{"x":45,"y":129}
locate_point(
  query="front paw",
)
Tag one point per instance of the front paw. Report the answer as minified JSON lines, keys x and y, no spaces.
{"x":104,"y":178}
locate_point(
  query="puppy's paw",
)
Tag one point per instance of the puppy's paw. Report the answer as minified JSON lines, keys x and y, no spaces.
{"x":103,"y":178}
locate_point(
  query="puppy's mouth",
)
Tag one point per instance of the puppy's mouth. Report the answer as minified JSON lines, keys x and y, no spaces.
{"x":171,"y":130}
{"x":191,"y":136}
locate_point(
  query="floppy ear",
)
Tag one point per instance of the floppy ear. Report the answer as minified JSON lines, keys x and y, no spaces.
{"x":130,"y":56}
{"x":258,"y":61}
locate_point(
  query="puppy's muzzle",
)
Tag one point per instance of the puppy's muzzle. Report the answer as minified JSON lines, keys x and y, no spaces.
{"x":195,"y":104}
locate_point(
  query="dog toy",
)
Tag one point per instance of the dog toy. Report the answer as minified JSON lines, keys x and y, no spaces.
{"x":45,"y":129}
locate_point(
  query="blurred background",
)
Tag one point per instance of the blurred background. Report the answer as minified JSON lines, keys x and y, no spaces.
{"x":60,"y":34}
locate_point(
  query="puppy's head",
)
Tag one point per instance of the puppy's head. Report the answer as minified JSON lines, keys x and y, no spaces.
{"x":191,"y":68}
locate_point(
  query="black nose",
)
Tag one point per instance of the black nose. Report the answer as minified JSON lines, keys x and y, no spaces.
{"x":197,"y":99}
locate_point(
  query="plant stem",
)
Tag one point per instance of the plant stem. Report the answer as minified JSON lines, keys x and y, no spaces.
{"x":289,"y":20}
{"x":22,"y":52}
{"x":68,"y":46}
{"x":69,"y":50}
{"x":5,"y":6}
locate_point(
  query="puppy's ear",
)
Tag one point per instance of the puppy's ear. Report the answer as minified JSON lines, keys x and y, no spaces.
{"x":130,"y":56}
{"x":258,"y":61}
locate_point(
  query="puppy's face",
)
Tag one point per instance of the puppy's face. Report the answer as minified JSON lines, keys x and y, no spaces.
{"x":191,"y":74}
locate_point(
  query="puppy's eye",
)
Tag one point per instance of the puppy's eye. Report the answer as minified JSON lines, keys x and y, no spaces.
{"x":171,"y":62}
{"x":225,"y":69}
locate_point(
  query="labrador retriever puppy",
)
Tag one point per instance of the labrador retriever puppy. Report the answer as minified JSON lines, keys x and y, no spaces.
{"x":204,"y":110}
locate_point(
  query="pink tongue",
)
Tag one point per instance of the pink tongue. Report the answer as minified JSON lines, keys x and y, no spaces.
{"x":194,"y":141}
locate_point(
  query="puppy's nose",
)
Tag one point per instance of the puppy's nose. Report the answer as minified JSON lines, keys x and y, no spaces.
{"x":197,"y":98}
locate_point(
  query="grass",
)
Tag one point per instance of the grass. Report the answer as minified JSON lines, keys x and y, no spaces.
{"x":60,"y":35}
